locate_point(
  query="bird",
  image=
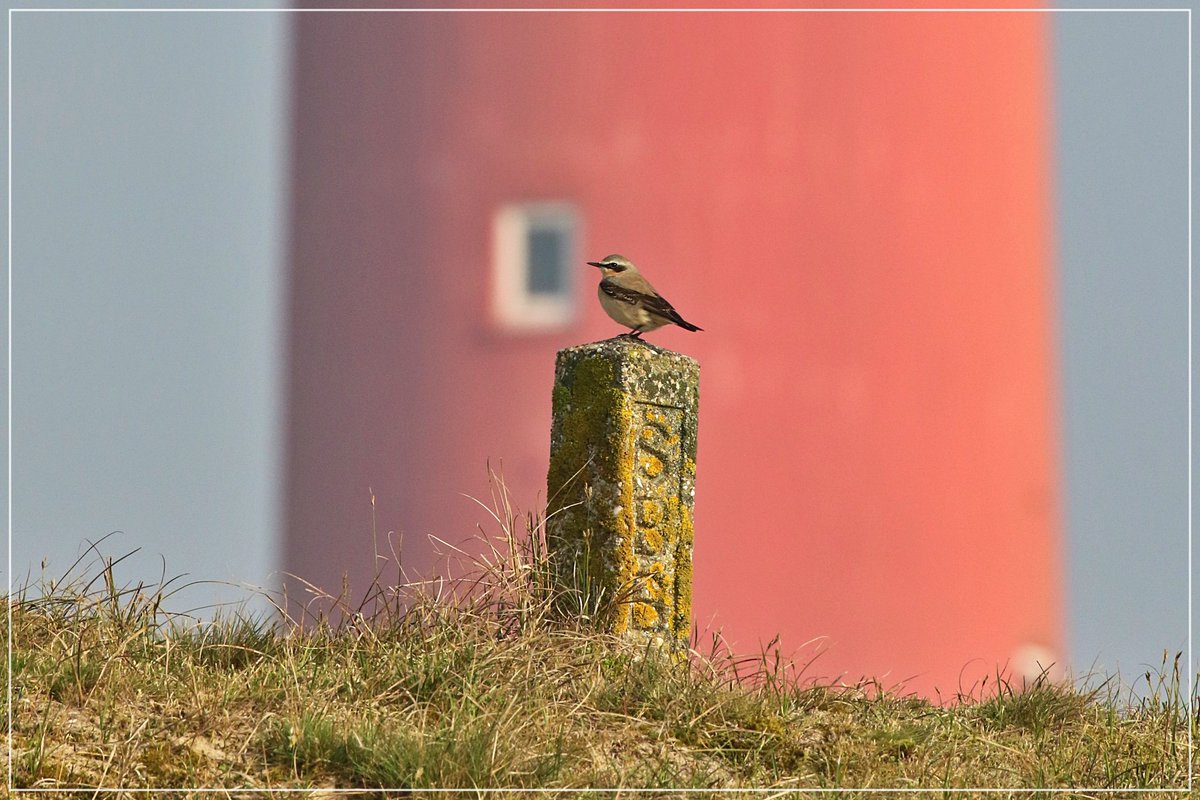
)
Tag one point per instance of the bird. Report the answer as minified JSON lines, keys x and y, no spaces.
{"x":629,"y":298}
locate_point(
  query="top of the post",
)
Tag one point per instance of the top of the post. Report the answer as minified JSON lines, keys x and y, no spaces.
{"x":641,"y":370}
{"x":626,"y":348}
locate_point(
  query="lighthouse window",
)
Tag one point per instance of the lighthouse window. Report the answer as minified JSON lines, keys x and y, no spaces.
{"x":547,"y":258}
{"x":536,"y":262}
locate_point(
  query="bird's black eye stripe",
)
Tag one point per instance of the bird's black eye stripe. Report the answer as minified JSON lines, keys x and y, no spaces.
{"x":615,"y":266}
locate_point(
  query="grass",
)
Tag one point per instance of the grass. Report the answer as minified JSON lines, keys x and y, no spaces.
{"x":497,"y":680}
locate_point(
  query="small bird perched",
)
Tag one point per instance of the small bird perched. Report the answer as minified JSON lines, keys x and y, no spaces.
{"x":629,"y":298}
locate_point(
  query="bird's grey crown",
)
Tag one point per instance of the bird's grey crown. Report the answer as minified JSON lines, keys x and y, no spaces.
{"x":616,"y":260}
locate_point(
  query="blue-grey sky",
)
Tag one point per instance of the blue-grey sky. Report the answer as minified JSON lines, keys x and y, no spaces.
{"x":149,"y":215}
{"x":1122,"y":191}
{"x":148,"y":221}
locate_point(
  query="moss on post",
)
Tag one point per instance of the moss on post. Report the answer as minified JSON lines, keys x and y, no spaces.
{"x":622,"y":483}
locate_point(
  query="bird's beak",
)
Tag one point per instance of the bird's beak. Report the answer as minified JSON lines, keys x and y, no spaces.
{"x":595,"y":264}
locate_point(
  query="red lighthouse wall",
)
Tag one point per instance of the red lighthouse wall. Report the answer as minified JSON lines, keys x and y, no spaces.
{"x":854,"y":206}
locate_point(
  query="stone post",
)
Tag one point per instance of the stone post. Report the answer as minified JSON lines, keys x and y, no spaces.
{"x":621,"y":486}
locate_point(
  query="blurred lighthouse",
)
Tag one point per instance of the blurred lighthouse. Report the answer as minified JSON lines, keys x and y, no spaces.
{"x":854,"y":206}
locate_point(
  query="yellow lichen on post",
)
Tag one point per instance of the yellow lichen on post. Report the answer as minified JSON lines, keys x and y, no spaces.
{"x":622,"y":484}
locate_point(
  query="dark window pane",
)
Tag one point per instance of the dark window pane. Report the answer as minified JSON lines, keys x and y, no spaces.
{"x":547,"y":254}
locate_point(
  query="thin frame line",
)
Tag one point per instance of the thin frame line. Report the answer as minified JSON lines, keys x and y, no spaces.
{"x":8,"y":435}
{"x":534,"y":10}
{"x":689,"y":790}
{"x":609,"y":10}
{"x":1191,"y":667}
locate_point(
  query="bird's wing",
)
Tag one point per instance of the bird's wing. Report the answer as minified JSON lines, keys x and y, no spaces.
{"x":652,"y":301}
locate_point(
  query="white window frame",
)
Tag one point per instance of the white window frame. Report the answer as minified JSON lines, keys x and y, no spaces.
{"x":513,"y":305}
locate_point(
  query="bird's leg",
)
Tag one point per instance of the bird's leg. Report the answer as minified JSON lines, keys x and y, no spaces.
{"x":636,"y":333}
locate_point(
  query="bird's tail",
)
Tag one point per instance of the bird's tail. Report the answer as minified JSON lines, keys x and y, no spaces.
{"x":687,"y":326}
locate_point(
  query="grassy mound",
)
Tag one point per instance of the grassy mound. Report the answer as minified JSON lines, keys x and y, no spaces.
{"x":485,"y":682}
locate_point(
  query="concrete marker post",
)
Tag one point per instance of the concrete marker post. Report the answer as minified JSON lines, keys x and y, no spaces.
{"x":622,"y":483}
